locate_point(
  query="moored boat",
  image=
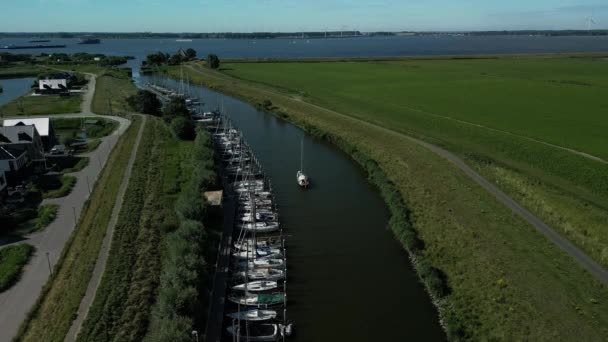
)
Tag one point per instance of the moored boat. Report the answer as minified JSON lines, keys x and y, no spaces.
{"x":257,"y":286}
{"x":253,"y":315}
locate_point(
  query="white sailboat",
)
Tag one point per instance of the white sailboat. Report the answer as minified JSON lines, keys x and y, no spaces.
{"x":253,"y":315}
{"x":301,"y":176}
{"x":263,"y":332}
{"x":257,"y":286}
{"x":262,"y":274}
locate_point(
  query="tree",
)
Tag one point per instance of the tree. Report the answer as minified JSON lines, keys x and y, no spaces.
{"x":190,"y":54}
{"x":157,"y":58}
{"x":175,"y":108}
{"x":145,"y":102}
{"x":182,"y":128}
{"x":213,"y":61}
{"x":175,"y":59}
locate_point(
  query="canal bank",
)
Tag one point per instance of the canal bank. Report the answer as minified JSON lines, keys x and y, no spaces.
{"x":349,"y":278}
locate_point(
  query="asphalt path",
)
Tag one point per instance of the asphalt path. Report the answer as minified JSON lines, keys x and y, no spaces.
{"x":17,"y":301}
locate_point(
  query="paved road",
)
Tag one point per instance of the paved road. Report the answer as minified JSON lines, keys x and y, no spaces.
{"x":583,"y":259}
{"x":102,"y":258}
{"x":19,"y":299}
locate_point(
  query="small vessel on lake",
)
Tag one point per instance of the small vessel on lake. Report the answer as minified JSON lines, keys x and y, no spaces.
{"x":301,"y":176}
{"x":89,"y":40}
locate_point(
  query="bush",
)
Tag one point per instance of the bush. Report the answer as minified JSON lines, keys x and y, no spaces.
{"x":213,"y":61}
{"x":182,"y":128}
{"x":46,"y":215}
{"x":189,"y":205}
{"x":67,"y":184}
{"x":145,"y":102}
{"x":12,"y":260}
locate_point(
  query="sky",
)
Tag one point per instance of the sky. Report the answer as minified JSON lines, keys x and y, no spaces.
{"x":297,"y":15}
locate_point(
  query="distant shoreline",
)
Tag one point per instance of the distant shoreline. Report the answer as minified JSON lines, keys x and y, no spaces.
{"x":297,"y":35}
{"x":414,"y":58}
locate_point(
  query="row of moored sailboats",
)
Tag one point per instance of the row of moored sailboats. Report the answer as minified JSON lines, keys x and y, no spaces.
{"x":257,"y":309}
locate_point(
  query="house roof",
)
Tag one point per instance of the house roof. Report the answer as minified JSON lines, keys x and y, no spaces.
{"x":17,"y":134}
{"x":42,"y":124}
{"x":7,"y":153}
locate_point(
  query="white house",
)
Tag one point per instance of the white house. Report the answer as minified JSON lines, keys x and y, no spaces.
{"x":43,"y":126}
{"x":53,"y":84}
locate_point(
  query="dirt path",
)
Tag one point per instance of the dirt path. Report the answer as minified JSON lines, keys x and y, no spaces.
{"x":102,"y":258}
{"x":583,"y":259}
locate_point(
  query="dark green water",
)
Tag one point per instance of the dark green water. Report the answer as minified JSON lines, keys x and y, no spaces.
{"x":348,"y":277}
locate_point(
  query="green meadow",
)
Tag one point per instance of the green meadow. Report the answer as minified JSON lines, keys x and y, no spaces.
{"x":505,"y":281}
{"x":507,"y":117}
{"x":560,"y":101}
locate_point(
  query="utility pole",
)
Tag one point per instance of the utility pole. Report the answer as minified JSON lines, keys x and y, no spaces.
{"x":48,"y":259}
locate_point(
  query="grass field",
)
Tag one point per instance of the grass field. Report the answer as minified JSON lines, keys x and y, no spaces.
{"x":51,"y":316}
{"x":487,"y":111}
{"x":507,"y":282}
{"x":73,"y":126}
{"x":38,"y":105}
{"x":18,"y":70}
{"x":12,"y":261}
{"x":112,"y":88}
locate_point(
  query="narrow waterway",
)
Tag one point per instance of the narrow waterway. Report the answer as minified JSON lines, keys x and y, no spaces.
{"x":349,"y":279}
{"x":13,"y":88}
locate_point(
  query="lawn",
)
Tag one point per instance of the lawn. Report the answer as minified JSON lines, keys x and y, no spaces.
{"x":38,"y":105}
{"x":12,"y":261}
{"x":506,"y":281}
{"x":75,"y":126}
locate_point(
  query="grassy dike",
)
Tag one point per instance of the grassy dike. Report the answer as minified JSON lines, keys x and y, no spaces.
{"x":122,"y":307}
{"x":490,"y":274}
{"x":113,"y":86}
{"x":51,"y":316}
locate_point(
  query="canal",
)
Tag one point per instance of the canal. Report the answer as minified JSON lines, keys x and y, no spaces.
{"x":14,"y":88}
{"x":349,"y":278}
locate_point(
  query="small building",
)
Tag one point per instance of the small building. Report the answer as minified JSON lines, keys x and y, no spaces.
{"x":43,"y":126}
{"x":59,"y":84}
{"x":53,"y":86}
{"x":22,"y":138}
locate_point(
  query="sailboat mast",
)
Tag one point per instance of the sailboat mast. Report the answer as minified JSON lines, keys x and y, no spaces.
{"x":302,"y":155}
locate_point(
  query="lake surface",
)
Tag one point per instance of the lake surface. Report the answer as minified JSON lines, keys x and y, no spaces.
{"x":14,"y":88}
{"x":347,"y":47}
{"x":349,"y":279}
